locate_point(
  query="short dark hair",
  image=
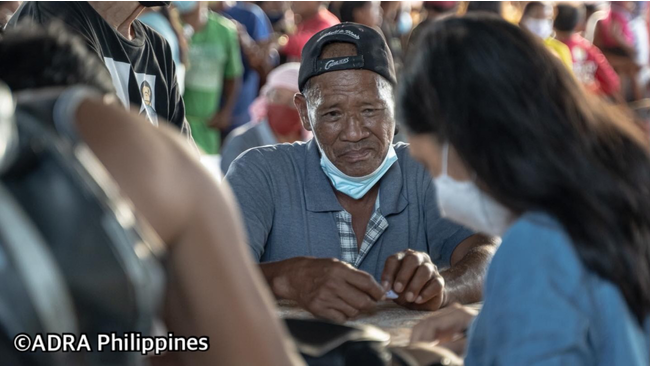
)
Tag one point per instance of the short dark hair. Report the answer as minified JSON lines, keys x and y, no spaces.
{"x":568,"y":16}
{"x":435,"y":6}
{"x":530,"y":6}
{"x":493,"y":7}
{"x":348,"y":7}
{"x":34,"y":56}
{"x":145,"y":83}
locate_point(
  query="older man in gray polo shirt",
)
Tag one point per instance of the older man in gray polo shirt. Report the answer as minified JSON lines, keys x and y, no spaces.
{"x":348,"y":219}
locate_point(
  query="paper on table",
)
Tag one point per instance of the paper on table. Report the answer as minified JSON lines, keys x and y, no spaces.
{"x":391,"y":295}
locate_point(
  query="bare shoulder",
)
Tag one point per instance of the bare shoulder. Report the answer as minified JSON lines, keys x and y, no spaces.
{"x":153,"y":166}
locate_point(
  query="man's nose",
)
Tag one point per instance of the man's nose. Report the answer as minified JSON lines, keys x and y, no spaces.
{"x":354,"y":129}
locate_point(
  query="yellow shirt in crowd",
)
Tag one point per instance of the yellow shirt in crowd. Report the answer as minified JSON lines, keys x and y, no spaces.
{"x":560,"y":50}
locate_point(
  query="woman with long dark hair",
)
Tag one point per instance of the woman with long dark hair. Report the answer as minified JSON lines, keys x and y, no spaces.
{"x":518,"y":149}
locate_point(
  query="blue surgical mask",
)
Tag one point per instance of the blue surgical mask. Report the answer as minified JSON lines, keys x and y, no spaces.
{"x":356,"y":187}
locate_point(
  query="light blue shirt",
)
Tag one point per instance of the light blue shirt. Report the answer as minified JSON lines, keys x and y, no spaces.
{"x":542,"y":306}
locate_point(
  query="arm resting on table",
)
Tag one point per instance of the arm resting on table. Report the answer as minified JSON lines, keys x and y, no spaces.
{"x":469,"y":263}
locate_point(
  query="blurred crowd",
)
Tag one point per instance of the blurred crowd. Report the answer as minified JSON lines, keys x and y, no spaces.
{"x":522,"y":129}
{"x":225,"y":53}
{"x":606,"y":47}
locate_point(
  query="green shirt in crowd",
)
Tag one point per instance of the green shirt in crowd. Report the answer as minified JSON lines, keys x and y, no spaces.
{"x":213,"y":57}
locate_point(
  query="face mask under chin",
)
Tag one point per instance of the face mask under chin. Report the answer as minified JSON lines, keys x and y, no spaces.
{"x":355,"y":187}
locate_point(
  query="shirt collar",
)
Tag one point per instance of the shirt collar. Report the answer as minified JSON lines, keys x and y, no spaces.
{"x":320,"y":196}
{"x":392,"y":200}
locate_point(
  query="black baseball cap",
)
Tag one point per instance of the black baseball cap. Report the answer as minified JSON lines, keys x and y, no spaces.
{"x":372,"y":53}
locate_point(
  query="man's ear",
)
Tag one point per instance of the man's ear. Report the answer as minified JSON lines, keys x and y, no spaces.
{"x":301,"y":105}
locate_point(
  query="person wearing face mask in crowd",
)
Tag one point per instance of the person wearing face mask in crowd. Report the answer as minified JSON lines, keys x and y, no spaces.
{"x":133,"y":53}
{"x":563,"y":181}
{"x":537,"y":17}
{"x":348,"y":218}
{"x":275,"y":118}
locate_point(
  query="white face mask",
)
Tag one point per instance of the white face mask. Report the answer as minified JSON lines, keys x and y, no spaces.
{"x":466,"y":204}
{"x":543,"y":28}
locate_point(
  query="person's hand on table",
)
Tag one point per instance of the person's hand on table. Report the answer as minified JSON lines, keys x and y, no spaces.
{"x":445,"y":326}
{"x":415,"y":279}
{"x":331,"y":289}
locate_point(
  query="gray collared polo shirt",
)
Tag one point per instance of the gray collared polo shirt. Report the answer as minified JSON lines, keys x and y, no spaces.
{"x":289,"y":207}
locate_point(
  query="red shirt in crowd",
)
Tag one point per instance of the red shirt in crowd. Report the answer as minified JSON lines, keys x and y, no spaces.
{"x":305,"y":30}
{"x":591,"y":67}
{"x":615,"y":22}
